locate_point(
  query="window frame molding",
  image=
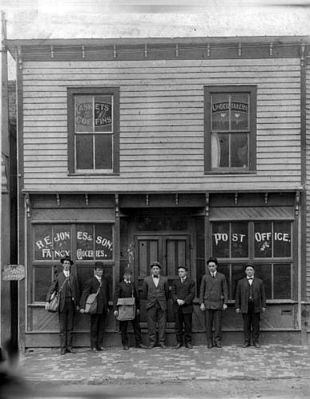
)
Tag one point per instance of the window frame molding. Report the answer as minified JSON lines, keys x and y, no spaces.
{"x":231,"y":89}
{"x":93,"y":91}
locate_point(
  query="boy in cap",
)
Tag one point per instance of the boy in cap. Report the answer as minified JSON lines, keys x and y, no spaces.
{"x":97,"y":320}
{"x":155,"y":291}
{"x":66,"y":284}
{"x":183,"y":293}
{"x":127,"y":289}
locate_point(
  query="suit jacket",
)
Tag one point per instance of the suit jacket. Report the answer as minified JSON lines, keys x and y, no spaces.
{"x":103,"y":297}
{"x":242,"y":295}
{"x":154,"y":294}
{"x":213,"y":291}
{"x":126,"y":291}
{"x":58,"y":283}
{"x":185,"y":291}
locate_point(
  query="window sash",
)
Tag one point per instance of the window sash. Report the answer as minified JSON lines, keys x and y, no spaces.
{"x":250,"y":152}
{"x":108,"y":137}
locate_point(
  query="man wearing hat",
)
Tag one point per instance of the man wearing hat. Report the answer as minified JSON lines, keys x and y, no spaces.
{"x":213,"y":300}
{"x":66,"y":284}
{"x":127,"y":289}
{"x":155,"y":291}
{"x":250,"y":302}
{"x":183,"y":293}
{"x":97,"y":283}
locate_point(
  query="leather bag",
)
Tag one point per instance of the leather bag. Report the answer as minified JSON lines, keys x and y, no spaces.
{"x":53,"y":304}
{"x":126,"y":308}
{"x":91,"y":304}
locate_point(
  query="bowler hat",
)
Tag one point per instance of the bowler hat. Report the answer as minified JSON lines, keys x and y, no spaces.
{"x":68,"y":259}
{"x":127,"y":271}
{"x":156,"y":264}
{"x":183,"y":267}
{"x":99,"y":265}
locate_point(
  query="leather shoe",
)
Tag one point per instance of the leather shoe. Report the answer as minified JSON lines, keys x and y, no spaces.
{"x":257,"y":345}
{"x":178,"y":346}
{"x":246,"y":345}
{"x":125,"y":347}
{"x":151,"y":346}
{"x":189,"y":345}
{"x":163,"y":346}
{"x":100,"y":348}
{"x":218,"y":345}
{"x":69,"y":350}
{"x":210,"y":346}
{"x":62,"y":351}
{"x":141,"y":346}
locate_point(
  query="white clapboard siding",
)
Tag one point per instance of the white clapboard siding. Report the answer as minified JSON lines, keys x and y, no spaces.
{"x":161,"y":123}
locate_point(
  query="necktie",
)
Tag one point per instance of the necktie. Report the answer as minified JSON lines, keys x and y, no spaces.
{"x":155,"y":276}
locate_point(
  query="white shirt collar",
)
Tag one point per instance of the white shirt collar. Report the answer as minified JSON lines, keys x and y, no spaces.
{"x":66,"y":273}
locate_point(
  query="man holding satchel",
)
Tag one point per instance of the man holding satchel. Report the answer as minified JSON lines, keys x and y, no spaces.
{"x":66,"y":285}
{"x":127,"y":289}
{"x":100,"y":285}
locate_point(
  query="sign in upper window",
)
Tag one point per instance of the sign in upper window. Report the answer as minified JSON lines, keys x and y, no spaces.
{"x":93,"y":130}
{"x":230,"y":137}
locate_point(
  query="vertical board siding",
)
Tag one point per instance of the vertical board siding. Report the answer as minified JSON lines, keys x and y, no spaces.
{"x":162,"y":122}
{"x":308,"y":183}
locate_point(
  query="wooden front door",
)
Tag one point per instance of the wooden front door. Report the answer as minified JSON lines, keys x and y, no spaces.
{"x":171,"y":251}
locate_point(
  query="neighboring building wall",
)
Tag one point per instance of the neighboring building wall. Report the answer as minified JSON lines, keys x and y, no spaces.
{"x":307,"y":187}
{"x":162,"y":123}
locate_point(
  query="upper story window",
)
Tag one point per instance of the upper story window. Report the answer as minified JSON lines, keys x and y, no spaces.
{"x":230,"y":129}
{"x":93,"y":124}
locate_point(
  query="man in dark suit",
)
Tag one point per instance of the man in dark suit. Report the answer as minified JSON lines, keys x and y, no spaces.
{"x":66,"y":284}
{"x":127,"y":289}
{"x":250,"y":302}
{"x":155,"y":291}
{"x":99,"y":284}
{"x":183,"y":293}
{"x":213,"y":299}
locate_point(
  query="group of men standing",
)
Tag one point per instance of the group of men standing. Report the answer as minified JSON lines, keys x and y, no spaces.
{"x":250,"y":301}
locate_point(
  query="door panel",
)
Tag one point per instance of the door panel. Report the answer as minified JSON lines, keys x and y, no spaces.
{"x":171,"y":251}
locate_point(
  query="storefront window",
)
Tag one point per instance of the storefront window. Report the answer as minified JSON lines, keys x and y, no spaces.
{"x":230,"y":240}
{"x":82,"y":242}
{"x":266,"y":244}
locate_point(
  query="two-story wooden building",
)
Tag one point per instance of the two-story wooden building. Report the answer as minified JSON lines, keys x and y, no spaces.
{"x":135,"y":150}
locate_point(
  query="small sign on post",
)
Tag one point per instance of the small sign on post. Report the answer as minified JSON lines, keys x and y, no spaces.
{"x":13,"y":272}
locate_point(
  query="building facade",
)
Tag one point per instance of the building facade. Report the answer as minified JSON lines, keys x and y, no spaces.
{"x":135,"y":150}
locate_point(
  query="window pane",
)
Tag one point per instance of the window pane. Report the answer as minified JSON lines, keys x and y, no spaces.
{"x":43,"y":242}
{"x":282,"y":281}
{"x":42,"y":281}
{"x":220,"y":111}
{"x":220,"y":240}
{"x":62,"y":241}
{"x":220,"y":150}
{"x":263,"y":239}
{"x":103,"y":114}
{"x":264,"y":273}
{"x":84,"y":273}
{"x":240,"y":111}
{"x":103,"y":151}
{"x":282,"y":239}
{"x":84,"y":242}
{"x":83,"y":114}
{"x":239,"y":240}
{"x":237,"y":274}
{"x":239,"y":150}
{"x":84,"y":151}
{"x":104,"y":241}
